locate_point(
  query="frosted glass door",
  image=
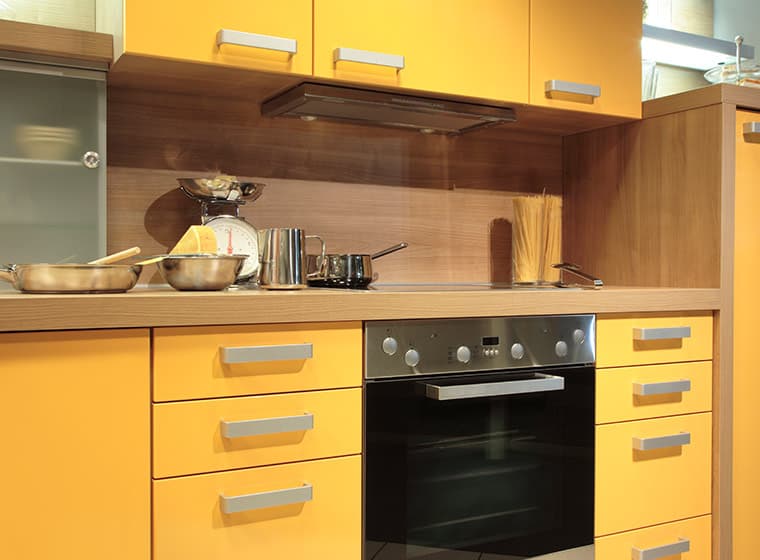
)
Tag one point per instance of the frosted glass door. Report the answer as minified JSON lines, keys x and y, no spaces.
{"x":73,"y":14}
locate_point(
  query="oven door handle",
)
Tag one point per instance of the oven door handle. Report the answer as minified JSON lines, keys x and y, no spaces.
{"x":539,"y":383}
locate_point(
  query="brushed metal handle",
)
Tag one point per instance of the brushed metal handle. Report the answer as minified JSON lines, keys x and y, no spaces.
{"x":561,"y":86}
{"x":683,"y":545}
{"x":538,"y":384}
{"x":264,"y":426}
{"x":663,"y":333}
{"x":343,"y":54}
{"x":751,"y":132}
{"x":260,"y":500}
{"x":662,"y":387}
{"x":674,"y":440}
{"x":277,"y":353}
{"x":255,"y":40}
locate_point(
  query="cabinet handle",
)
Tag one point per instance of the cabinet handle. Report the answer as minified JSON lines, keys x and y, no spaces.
{"x":280,"y":353}
{"x":751,"y":132}
{"x":268,"y":42}
{"x":264,"y":426}
{"x":675,"y":440}
{"x":662,"y":388}
{"x":260,"y":500}
{"x":683,"y":545}
{"x":662,"y":333}
{"x":560,"y":86}
{"x":539,"y":384}
{"x":368,"y":57}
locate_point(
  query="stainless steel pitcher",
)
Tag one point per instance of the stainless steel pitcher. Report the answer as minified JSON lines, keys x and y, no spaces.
{"x":283,"y":261}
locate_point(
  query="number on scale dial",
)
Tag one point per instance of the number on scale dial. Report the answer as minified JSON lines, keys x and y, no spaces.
{"x":236,"y":237}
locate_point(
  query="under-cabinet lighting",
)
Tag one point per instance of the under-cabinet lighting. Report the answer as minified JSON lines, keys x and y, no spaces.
{"x":687,"y":50}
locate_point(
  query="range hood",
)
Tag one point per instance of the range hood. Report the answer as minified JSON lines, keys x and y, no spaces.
{"x":310,"y":101}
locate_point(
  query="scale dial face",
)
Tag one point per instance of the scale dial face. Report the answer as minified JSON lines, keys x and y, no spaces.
{"x":236,"y":236}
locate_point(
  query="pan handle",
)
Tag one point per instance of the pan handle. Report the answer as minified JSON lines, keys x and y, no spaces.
{"x":6,"y":272}
{"x":322,"y":267}
{"x":402,"y":245}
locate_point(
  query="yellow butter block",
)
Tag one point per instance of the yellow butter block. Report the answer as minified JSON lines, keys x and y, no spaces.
{"x":197,"y":239}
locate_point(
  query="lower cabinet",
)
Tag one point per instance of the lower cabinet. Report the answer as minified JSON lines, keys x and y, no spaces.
{"x":682,"y":540}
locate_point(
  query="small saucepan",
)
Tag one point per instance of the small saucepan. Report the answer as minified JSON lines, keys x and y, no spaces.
{"x":352,"y":271}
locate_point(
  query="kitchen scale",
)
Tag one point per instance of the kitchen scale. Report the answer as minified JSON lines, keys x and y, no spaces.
{"x":220,"y":199}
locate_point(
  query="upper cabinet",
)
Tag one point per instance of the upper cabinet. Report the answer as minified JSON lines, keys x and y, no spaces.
{"x":477,"y":48}
{"x":586,"y":55}
{"x":70,"y":14}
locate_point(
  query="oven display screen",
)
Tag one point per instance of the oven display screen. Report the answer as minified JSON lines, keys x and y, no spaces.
{"x":490,"y":340}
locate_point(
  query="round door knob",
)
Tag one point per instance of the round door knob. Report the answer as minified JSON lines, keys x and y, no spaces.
{"x":412,"y":357}
{"x":560,"y":349}
{"x":390,"y":345}
{"x":91,"y":160}
{"x":579,"y":337}
{"x":517,"y":351}
{"x":464,"y":354}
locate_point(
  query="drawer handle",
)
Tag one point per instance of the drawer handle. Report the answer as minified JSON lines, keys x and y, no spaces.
{"x":663,"y":333}
{"x":268,"y":42}
{"x":265,"y":426}
{"x":283,"y":352}
{"x":662,"y":388}
{"x":538,"y":384}
{"x":261,"y":500}
{"x":751,"y":132}
{"x":683,"y":545}
{"x":560,"y":86}
{"x":675,"y":440}
{"x":343,"y":54}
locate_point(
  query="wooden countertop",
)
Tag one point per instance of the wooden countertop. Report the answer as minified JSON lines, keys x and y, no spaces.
{"x":150,"y":307}
{"x":729,"y":94}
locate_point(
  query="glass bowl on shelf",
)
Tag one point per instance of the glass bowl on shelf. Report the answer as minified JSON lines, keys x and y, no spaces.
{"x":726,"y":73}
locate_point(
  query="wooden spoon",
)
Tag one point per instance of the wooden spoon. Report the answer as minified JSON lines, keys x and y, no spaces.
{"x":115,"y":257}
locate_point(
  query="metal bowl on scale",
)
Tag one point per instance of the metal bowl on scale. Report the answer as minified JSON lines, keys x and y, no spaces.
{"x":222,"y":188}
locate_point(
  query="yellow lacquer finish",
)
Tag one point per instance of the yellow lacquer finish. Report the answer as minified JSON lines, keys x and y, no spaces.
{"x":617,"y":347}
{"x":188,"y":436}
{"x":594,"y":42}
{"x":640,"y":488}
{"x":75,"y":469}
{"x":189,"y":522}
{"x":186,"y":30}
{"x":187,"y":362}
{"x":616,"y":400}
{"x":746,"y":493}
{"x":477,"y":48}
{"x":697,"y":531}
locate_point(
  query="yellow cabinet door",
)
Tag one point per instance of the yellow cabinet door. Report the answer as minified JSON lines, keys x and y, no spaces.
{"x":589,"y":43}
{"x":75,"y":472}
{"x":273,"y":36}
{"x":475,"y":48}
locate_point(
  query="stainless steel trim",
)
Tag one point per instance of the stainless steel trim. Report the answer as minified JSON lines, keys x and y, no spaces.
{"x":561,"y":86}
{"x":662,"y":387}
{"x":264,"y":426}
{"x":751,"y":132}
{"x":539,"y":384}
{"x":32,"y":67}
{"x":368,"y":57}
{"x":255,"y":40}
{"x":260,"y":500}
{"x":674,"y":440}
{"x":663,"y":333}
{"x":683,"y":545}
{"x":279,"y":353}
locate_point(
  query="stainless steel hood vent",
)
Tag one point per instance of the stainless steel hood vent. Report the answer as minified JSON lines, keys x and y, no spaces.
{"x":354,"y":105}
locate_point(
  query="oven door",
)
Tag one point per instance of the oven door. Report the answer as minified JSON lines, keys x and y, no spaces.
{"x":496,"y":466}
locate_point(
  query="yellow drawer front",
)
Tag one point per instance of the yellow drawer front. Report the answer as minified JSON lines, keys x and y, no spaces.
{"x":660,"y":541}
{"x":187,"y":30}
{"x":635,"y":393}
{"x":643,"y":339}
{"x":190,"y":522}
{"x":218,"y":434}
{"x":188,"y":362}
{"x":639,"y":488}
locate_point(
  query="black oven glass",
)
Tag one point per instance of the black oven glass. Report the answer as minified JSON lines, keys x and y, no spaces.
{"x":479,"y":478}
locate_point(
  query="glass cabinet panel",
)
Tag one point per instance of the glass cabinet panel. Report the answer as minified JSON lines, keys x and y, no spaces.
{"x":72,"y":14}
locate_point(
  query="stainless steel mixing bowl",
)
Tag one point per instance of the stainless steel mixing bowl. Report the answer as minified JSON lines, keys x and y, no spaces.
{"x":220,"y":189}
{"x":200,"y":271}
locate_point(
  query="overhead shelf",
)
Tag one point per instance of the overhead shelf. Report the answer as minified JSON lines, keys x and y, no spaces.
{"x":678,"y":48}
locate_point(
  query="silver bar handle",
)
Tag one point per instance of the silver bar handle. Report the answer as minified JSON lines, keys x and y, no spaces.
{"x":255,"y":40}
{"x":538,"y":384}
{"x":261,"y":500}
{"x":751,"y":132}
{"x":662,"y":387}
{"x":265,"y":426}
{"x":276,"y":353}
{"x":561,"y":86}
{"x":343,"y":54}
{"x":664,"y":333}
{"x":683,"y":545}
{"x":675,"y":440}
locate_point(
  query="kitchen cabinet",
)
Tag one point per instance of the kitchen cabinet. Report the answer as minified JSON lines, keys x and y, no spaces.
{"x":71,"y":14}
{"x":75,"y":474}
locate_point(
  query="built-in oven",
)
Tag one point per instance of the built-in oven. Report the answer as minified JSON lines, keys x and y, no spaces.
{"x":479,"y":439}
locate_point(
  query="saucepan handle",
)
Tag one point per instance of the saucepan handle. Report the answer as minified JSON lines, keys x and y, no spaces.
{"x":322,"y":266}
{"x":6,"y":272}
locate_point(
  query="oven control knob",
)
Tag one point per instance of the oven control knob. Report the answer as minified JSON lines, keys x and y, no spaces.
{"x":560,"y":349}
{"x":517,"y":351}
{"x":412,"y":357}
{"x":579,"y":337}
{"x":463,"y":354}
{"x":390,"y":345}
